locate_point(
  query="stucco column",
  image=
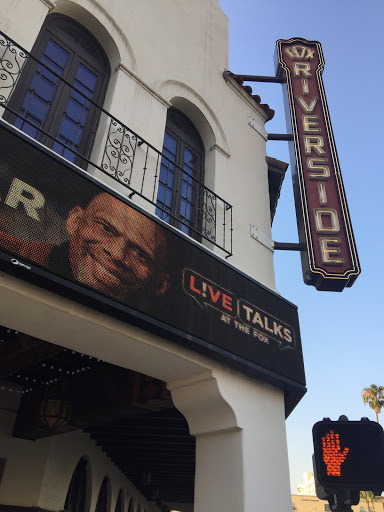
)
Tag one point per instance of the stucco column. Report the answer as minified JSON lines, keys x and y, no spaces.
{"x":241,"y":451}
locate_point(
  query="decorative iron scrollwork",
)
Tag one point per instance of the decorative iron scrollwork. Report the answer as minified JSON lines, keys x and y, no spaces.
{"x":206,"y":215}
{"x":12,"y":60}
{"x":119,"y":152}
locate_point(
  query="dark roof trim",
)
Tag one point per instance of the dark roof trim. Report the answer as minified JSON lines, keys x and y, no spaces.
{"x":276,"y":173}
{"x":237,"y":78}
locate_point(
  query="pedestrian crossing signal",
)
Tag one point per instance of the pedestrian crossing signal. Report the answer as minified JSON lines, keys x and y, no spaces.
{"x":349,"y":455}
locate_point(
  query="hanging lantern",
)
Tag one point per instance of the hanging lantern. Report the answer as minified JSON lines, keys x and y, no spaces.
{"x":55,"y":411}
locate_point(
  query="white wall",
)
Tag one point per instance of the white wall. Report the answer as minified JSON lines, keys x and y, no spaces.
{"x":26,"y":461}
{"x":175,"y":52}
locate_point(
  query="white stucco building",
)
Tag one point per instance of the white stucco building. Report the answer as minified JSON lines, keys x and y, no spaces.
{"x":165,"y":89}
{"x":307,"y":487}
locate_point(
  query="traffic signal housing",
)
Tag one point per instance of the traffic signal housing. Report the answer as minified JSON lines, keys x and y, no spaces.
{"x":349,"y":455}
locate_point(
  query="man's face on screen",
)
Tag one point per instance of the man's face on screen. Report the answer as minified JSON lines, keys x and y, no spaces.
{"x":116,"y":250}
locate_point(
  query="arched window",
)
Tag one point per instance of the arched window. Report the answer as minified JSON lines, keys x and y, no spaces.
{"x":69,"y":50}
{"x":131,"y":507}
{"x":119,"y":502}
{"x":102,"y":500}
{"x":75,"y":500}
{"x":178,"y":192}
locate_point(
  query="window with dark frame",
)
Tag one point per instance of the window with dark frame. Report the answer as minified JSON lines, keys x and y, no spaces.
{"x":43,"y":102}
{"x":180,"y":173}
{"x":102,"y":499}
{"x":75,"y":500}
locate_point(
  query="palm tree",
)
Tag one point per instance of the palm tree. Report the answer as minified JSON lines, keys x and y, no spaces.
{"x":369,"y":497}
{"x":374,"y":397}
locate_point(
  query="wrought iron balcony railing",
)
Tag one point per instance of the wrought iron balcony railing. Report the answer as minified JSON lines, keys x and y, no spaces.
{"x":111,"y":150}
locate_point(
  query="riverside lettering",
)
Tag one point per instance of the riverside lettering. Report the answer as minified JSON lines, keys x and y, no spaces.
{"x":329,"y":260}
{"x":326,"y":219}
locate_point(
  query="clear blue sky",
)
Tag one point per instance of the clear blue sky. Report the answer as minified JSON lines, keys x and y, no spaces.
{"x":342,"y":333}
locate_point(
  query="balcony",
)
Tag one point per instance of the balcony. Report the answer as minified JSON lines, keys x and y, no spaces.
{"x":113,"y":152}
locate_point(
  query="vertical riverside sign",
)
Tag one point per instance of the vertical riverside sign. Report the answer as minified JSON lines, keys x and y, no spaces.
{"x":330,"y":261}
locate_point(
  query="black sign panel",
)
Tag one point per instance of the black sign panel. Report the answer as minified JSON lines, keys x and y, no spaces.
{"x":58,"y":222}
{"x":349,"y":455}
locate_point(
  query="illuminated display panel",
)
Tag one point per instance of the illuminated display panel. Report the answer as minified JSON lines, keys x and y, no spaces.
{"x":330,"y":261}
{"x":61,"y":229}
{"x":349,"y":454}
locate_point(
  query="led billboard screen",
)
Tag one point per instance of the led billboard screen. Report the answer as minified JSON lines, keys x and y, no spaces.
{"x":58,"y":223}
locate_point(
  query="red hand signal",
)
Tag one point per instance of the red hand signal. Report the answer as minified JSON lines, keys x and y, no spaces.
{"x":332,"y":455}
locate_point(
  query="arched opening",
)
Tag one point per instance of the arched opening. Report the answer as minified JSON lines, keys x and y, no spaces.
{"x":102,"y":499}
{"x":51,"y":102}
{"x":120,"y":502}
{"x":131,"y":507}
{"x":125,"y":421}
{"x":76,"y":495}
{"x":181,"y":172}
{"x":101,"y":24}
